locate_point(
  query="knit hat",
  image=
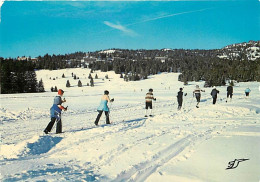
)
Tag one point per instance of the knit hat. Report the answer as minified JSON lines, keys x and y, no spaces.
{"x":60,"y":92}
{"x":106,"y":92}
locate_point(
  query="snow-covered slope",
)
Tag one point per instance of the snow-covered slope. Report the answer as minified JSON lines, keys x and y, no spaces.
{"x":194,"y":144}
{"x":250,"y":49}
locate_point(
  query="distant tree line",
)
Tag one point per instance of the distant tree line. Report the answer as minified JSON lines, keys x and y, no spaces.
{"x":54,"y":62}
{"x":213,"y":70}
{"x":193,"y":65}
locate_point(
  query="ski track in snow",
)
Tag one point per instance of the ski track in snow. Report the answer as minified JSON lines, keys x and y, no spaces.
{"x":148,"y":138}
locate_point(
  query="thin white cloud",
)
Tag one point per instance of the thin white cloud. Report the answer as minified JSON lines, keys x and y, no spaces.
{"x":120,"y":27}
{"x":132,"y":33}
{"x":166,"y":16}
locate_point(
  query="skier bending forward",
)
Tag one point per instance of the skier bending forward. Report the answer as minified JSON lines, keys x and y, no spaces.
{"x":56,"y":113}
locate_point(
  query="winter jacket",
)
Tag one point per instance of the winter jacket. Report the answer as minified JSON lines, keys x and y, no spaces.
{"x":55,"y":111}
{"x":198,"y":90}
{"x":180,"y":95}
{"x":57,"y":100}
{"x":149,"y":97}
{"x":103,"y":106}
{"x":230,"y":89}
{"x":247,"y":90}
{"x":214,"y":93}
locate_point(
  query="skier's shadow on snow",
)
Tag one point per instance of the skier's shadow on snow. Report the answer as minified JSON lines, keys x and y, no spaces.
{"x":43,"y":145}
{"x":133,"y":120}
{"x":203,"y":100}
{"x":109,"y":125}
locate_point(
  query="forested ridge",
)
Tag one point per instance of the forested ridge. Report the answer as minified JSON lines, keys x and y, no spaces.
{"x":240,"y":62}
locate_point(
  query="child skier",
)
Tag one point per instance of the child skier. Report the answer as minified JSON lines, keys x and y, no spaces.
{"x":197,"y":93}
{"x":56,"y":113}
{"x":103,"y":107}
{"x":149,"y":102}
{"x":214,"y":94}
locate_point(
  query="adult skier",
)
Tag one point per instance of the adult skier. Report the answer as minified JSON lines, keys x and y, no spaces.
{"x":197,"y":93}
{"x":149,"y":102}
{"x":103,"y":107}
{"x":55,"y":112}
{"x":214,"y":94}
{"x":180,"y":98}
{"x":247,"y":91}
{"x":229,"y":92}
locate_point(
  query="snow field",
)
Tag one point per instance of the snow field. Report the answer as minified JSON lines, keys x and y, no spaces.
{"x":188,"y":145}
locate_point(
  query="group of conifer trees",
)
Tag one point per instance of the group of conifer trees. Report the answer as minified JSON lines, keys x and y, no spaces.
{"x":214,"y":71}
{"x":19,"y":77}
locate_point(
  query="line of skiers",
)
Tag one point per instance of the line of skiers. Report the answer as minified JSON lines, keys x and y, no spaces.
{"x":57,"y":107}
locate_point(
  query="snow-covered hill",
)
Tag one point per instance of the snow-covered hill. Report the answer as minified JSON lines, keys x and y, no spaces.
{"x":194,"y":144}
{"x":250,"y":50}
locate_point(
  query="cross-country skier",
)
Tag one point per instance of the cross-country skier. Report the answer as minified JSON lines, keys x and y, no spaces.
{"x":103,"y":107}
{"x":56,"y":113}
{"x":247,"y":91}
{"x":149,"y":102}
{"x":180,"y":98}
{"x":214,"y":94}
{"x":229,"y":92}
{"x":197,"y":93}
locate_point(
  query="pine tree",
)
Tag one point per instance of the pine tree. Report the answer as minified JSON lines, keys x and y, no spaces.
{"x":89,"y":76}
{"x":68,"y":83}
{"x":41,"y":86}
{"x":96,"y":77}
{"x":55,"y":89}
{"x":30,"y":82}
{"x":63,"y":76}
{"x":79,"y":84}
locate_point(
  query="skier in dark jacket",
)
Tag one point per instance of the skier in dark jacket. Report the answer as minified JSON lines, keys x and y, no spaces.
{"x":229,"y":92}
{"x":180,"y":98}
{"x":214,"y":94}
{"x":56,"y":113}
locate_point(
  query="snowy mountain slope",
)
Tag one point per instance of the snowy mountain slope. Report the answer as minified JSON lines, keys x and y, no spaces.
{"x":250,"y":49}
{"x":188,"y":145}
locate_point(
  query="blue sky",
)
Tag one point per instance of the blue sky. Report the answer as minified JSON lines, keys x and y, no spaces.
{"x":35,"y":28}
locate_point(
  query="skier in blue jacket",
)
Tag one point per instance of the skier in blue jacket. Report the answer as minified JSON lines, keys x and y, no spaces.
{"x":247,"y":91}
{"x":103,"y":107}
{"x":55,"y":112}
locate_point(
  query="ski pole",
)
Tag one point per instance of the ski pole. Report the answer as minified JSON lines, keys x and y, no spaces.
{"x":109,"y":111}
